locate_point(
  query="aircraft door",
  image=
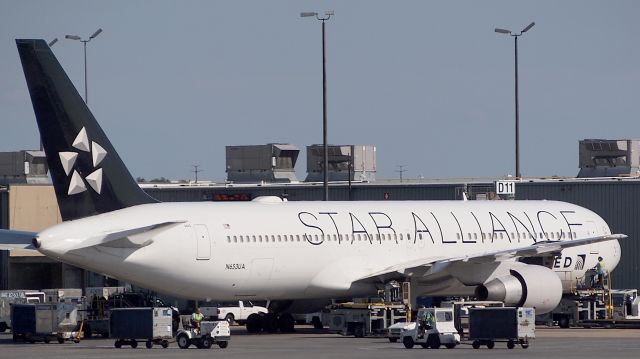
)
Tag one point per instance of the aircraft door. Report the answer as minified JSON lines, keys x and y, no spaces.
{"x":203,"y":242}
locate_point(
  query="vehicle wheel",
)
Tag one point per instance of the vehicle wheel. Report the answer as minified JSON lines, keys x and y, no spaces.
{"x":450,"y":345}
{"x":254,"y":323}
{"x":408,"y":342}
{"x":434,"y":341}
{"x":206,"y":343}
{"x":223,"y":345}
{"x":149,"y":344}
{"x":183,"y":341}
{"x":76,"y":340}
{"x":60,"y":340}
{"x":511,"y":344}
{"x":317,"y":323}
{"x":491,"y":344}
{"x":229,"y":318}
{"x":3,"y":327}
{"x":393,"y":340}
{"x":358,"y":331}
{"x":117,"y":344}
{"x":134,"y":343}
{"x":563,"y":322}
{"x":86,"y":329}
{"x":524,"y":344}
{"x":286,"y":323}
{"x":165,"y":344}
{"x":270,"y":323}
{"x":476,"y":344}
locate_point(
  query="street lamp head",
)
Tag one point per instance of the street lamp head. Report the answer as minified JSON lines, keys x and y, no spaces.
{"x":53,"y":42}
{"x":308,"y":14}
{"x":95,"y":33}
{"x":329,"y":13}
{"x":72,"y":37}
{"x":503,"y":31}
{"x":528,"y":27}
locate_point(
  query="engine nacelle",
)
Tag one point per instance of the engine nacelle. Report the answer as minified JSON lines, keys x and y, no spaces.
{"x":527,"y":286}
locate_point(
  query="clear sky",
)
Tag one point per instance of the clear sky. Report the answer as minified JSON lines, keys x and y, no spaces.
{"x":428,"y":82}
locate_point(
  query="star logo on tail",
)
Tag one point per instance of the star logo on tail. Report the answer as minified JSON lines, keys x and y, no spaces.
{"x":68,"y":160}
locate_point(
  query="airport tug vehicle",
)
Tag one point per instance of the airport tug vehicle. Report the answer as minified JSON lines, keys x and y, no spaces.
{"x":434,"y":327}
{"x":209,"y":333}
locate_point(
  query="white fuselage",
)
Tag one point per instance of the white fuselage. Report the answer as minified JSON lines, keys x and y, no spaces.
{"x":297,"y":250}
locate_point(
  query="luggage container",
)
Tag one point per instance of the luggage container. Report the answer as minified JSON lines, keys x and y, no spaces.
{"x":513,"y":325}
{"x":130,"y":325}
{"x":31,"y":322}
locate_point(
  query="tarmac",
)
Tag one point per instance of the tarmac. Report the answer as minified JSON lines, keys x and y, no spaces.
{"x":309,"y":344}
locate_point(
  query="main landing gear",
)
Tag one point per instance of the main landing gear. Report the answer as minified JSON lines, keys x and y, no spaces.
{"x":270,"y":323}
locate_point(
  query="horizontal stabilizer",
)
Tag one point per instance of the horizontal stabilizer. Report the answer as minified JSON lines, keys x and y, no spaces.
{"x":108,"y":238}
{"x":16,"y":239}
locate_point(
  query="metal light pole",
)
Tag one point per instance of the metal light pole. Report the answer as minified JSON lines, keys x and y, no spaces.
{"x":84,"y":42}
{"x":325,"y":167}
{"x":516,"y":36}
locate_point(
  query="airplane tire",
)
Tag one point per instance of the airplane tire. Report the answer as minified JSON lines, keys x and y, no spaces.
{"x":254,"y":323}
{"x":286,"y":323}
{"x":270,"y":323}
{"x":563,"y":322}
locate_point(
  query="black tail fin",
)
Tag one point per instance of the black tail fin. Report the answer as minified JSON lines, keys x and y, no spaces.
{"x":88,"y":176}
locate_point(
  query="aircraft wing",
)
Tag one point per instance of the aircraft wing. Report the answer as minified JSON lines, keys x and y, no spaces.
{"x":10,"y":239}
{"x":542,"y":248}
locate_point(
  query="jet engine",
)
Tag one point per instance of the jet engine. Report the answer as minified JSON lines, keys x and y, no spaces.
{"x":526,"y":286}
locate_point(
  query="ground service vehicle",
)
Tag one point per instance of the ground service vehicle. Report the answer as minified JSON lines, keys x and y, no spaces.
{"x":45,"y":322}
{"x":232,"y":312}
{"x":507,"y":324}
{"x":209,"y":333}
{"x":394,"y":332}
{"x":434,"y":327}
{"x":152,"y":325}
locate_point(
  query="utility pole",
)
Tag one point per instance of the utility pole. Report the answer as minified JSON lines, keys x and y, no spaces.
{"x":401,"y":170}
{"x":196,"y":171}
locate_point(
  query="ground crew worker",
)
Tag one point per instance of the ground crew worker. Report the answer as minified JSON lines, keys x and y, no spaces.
{"x":196,"y":318}
{"x":600,"y":270}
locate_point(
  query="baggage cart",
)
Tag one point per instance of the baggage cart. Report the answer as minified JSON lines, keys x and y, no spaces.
{"x":513,"y":325}
{"x":130,"y":325}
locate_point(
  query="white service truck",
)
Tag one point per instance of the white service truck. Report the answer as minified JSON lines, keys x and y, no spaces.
{"x":237,"y":312}
{"x":434,"y":327}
